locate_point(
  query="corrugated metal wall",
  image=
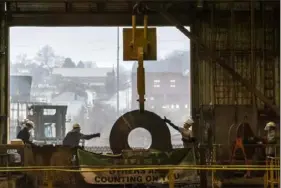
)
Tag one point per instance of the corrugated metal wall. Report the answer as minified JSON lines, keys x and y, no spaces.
{"x":231,"y":40}
{"x":253,"y":53}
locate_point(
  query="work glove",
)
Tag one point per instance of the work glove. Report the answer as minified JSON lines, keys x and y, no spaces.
{"x":166,"y":120}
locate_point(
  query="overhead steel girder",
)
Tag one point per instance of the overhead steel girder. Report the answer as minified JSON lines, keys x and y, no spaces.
{"x":91,"y":1}
{"x":236,"y":76}
{"x":86,"y":19}
{"x":104,"y":12}
{"x":4,"y":75}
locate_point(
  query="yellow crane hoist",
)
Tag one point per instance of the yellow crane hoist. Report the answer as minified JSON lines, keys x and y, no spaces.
{"x":139,"y":44}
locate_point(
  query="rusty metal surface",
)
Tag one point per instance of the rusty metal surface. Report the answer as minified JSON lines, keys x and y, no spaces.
{"x":49,"y":155}
{"x":218,"y":87}
{"x":229,"y":117}
{"x":90,"y":13}
{"x":108,"y":13}
{"x":160,"y":134}
{"x":4,"y":76}
{"x":222,"y":61}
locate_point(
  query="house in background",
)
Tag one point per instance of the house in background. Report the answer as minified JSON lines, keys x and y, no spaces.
{"x":167,"y":87}
{"x":167,"y":84}
{"x":93,"y":78}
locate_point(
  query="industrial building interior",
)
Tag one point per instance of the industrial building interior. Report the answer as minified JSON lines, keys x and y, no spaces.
{"x":233,"y":132}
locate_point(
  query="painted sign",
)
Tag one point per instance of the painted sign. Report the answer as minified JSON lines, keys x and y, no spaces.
{"x":176,"y":157}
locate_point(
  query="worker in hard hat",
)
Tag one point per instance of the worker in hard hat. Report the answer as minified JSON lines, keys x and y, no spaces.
{"x":186,"y":131}
{"x":21,"y":125}
{"x":24,"y":133}
{"x":74,"y":136}
{"x":270,"y":129}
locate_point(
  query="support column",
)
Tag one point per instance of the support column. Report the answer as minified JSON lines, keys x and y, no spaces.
{"x":4,"y":76}
{"x":194,"y":80}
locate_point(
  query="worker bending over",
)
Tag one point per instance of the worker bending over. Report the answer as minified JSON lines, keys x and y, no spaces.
{"x":270,"y":128}
{"x":186,"y":131}
{"x":24,"y":133}
{"x":74,"y":136}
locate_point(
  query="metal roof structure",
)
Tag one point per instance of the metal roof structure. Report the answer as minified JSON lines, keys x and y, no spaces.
{"x":112,"y":12}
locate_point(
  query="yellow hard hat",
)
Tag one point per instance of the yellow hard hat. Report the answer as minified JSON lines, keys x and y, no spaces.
{"x":269,"y":124}
{"x":76,"y":126}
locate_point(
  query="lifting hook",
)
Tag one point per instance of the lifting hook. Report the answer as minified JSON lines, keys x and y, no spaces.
{"x":142,"y":50}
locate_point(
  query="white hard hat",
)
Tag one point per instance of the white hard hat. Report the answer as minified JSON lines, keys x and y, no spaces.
{"x":189,"y":121}
{"x":269,"y":124}
{"x":30,"y":123}
{"x":25,"y":121}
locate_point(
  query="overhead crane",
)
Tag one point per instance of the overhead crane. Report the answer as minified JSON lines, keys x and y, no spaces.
{"x":139,"y":48}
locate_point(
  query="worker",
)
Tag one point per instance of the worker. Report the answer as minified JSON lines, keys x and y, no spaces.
{"x":20,"y":125}
{"x":24,"y":133}
{"x":74,"y":136}
{"x":186,"y":131}
{"x":270,"y":129}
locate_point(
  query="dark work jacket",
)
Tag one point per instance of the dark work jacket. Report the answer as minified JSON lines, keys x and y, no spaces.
{"x":73,"y":138}
{"x":24,"y":135}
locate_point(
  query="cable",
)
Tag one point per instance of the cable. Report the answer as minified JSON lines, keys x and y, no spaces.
{"x":127,"y":168}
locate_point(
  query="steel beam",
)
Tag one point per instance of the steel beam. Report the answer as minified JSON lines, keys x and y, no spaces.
{"x":94,"y":1}
{"x":107,"y":19}
{"x":4,"y":76}
{"x":30,"y":17}
{"x":236,"y":76}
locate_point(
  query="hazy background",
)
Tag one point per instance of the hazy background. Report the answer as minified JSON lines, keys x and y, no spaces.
{"x":77,"y":67}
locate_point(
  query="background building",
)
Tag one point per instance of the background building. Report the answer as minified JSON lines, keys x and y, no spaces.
{"x":167,"y":86}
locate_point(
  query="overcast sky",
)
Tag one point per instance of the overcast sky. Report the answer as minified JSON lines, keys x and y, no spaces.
{"x":97,"y":44}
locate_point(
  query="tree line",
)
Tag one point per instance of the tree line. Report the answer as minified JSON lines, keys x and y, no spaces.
{"x":47,"y":58}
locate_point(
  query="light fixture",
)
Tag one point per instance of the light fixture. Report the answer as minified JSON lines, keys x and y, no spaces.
{"x":199,"y":3}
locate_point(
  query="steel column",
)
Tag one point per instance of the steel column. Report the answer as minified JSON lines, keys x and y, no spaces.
{"x":4,"y":75}
{"x":236,"y":76}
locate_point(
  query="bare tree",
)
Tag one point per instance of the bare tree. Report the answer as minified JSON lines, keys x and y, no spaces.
{"x":59,"y":60}
{"x":21,"y":59}
{"x":46,"y":56}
